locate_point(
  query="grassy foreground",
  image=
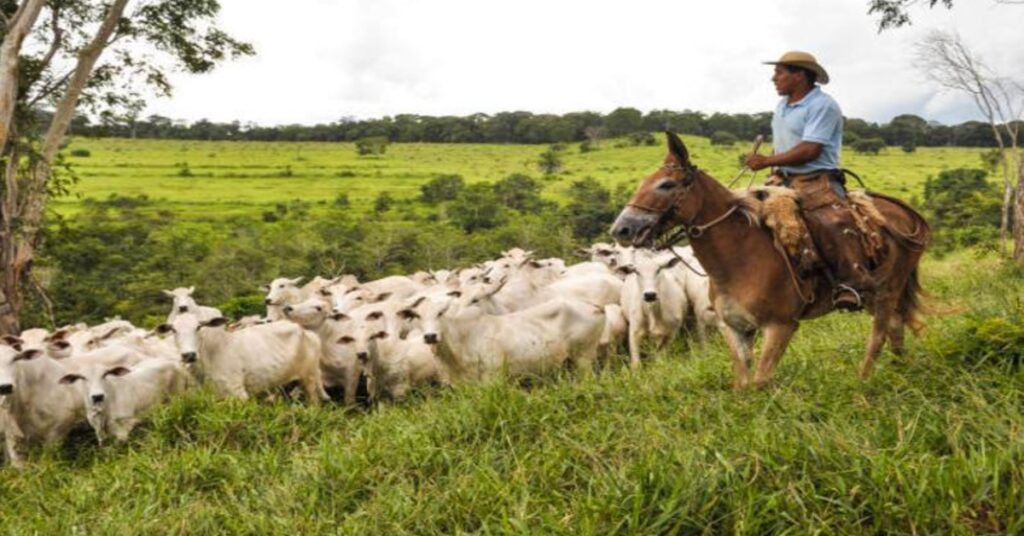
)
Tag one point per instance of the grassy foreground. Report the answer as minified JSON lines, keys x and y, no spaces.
{"x":930,"y":444}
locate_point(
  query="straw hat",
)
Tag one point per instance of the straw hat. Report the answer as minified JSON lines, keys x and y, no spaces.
{"x":802,"y":59}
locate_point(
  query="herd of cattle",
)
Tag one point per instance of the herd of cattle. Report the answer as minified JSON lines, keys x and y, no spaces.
{"x":515,"y":316}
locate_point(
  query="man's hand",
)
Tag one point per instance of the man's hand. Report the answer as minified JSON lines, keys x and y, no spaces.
{"x":757,"y":162}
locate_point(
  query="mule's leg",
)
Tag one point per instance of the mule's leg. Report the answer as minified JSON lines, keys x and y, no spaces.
{"x":875,"y":342}
{"x":740,"y":347}
{"x":776,"y":340}
{"x":896,"y":335}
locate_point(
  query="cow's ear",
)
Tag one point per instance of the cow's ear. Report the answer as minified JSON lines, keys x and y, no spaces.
{"x":12,"y":341}
{"x":375,"y":315}
{"x":381,"y":297}
{"x":625,"y":269}
{"x":325,"y":292}
{"x":671,"y":262}
{"x":407,"y":314}
{"x":455,"y":294}
{"x":69,"y":379}
{"x":380,"y":335}
{"x":191,"y":290}
{"x":117,"y":371}
{"x":61,"y":345}
{"x":60,"y":334}
{"x":215,"y":322}
{"x":265,"y":288}
{"x":28,"y":355}
{"x":337,"y":317}
{"x":168,"y":293}
{"x":163,"y":329}
{"x":417,"y":303}
{"x":297,"y":280}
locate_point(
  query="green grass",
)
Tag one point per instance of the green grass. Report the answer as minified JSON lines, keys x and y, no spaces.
{"x":238,"y":178}
{"x":928,"y":445}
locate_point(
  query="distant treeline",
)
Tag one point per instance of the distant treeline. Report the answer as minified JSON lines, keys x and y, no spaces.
{"x":525,"y":127}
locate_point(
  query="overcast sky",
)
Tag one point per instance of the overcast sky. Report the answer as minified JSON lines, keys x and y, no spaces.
{"x":321,"y":60}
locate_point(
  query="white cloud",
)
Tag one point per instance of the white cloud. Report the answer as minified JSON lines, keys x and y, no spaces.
{"x":319,"y":60}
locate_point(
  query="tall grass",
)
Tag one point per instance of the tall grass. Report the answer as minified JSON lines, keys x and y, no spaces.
{"x":930,"y":444}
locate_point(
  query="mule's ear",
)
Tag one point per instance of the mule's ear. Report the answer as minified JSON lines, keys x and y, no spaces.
{"x":677,"y":148}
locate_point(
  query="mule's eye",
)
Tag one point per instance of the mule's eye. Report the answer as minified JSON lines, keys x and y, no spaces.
{"x":667,"y":185}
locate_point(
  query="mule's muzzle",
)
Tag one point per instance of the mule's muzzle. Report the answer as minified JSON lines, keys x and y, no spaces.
{"x":632,"y":228}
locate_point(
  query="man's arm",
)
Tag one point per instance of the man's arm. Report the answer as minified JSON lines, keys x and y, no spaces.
{"x":804,"y":152}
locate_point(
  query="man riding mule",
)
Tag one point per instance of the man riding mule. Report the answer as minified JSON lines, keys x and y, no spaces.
{"x":807,"y":134}
{"x":754,"y":286}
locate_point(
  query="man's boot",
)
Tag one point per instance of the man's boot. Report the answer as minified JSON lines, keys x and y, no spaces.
{"x":837,"y":237}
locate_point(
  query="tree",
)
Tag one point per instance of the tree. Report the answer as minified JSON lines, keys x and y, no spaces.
{"x":61,"y":65}
{"x":519,"y":192}
{"x":722,"y":137}
{"x":869,"y":145}
{"x":549,"y":161}
{"x":374,"y":145}
{"x":622,"y":121}
{"x":590,"y":209}
{"x":442,"y":188}
{"x":477,"y":208}
{"x":893,"y":13}
{"x":945,"y":59}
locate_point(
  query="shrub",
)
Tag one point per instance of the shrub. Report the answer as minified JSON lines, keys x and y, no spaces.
{"x":81,"y":153}
{"x":519,"y":192}
{"x":869,"y":145}
{"x":722,"y":137}
{"x":643,"y":138}
{"x":587,"y":146}
{"x":345,"y":174}
{"x":964,"y":208}
{"x":442,"y":188}
{"x":549,"y":162}
{"x":477,"y":208}
{"x":997,"y":340}
{"x":383,"y":203}
{"x":184,"y":170}
{"x":375,"y":145}
{"x":341,"y":200}
{"x":239,"y":306}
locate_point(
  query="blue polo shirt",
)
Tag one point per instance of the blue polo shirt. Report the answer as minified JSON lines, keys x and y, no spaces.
{"x":816,"y":118}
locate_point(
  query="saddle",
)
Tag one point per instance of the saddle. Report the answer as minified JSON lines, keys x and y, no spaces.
{"x":813,"y":225}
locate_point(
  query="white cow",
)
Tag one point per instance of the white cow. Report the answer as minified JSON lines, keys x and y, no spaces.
{"x":652,"y":300}
{"x":280,"y":292}
{"x":394,"y":366}
{"x":185,"y":303}
{"x":339,"y":366}
{"x":396,"y":287}
{"x":35,"y":410}
{"x":697,"y":287}
{"x":117,"y":397}
{"x":474,"y":345}
{"x":246,"y":362}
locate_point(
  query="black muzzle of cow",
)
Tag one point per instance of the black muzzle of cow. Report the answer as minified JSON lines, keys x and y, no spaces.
{"x":97,"y":398}
{"x":650,"y":297}
{"x":363,"y":357}
{"x":182,"y":308}
{"x":6,"y":389}
{"x":430,"y":338}
{"x":189,"y":357}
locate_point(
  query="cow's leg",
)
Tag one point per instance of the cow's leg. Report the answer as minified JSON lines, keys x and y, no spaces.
{"x":634,"y":345}
{"x":351,"y":385}
{"x":11,"y":444}
{"x":776,"y":340}
{"x":740,"y":347}
{"x":875,"y":341}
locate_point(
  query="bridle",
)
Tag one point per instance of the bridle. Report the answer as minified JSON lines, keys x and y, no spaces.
{"x":689,"y":229}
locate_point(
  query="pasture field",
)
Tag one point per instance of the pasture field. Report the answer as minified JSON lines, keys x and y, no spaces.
{"x":932,"y":444}
{"x":200,"y":180}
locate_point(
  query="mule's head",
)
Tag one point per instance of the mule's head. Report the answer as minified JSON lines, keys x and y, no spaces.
{"x":661,"y":201}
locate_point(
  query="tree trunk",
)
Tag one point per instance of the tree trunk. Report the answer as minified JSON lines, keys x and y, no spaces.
{"x":17,"y":29}
{"x":1018,"y":213}
{"x":22,"y":236}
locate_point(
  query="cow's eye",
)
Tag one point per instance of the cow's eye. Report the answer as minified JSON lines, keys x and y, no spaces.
{"x":319,"y":309}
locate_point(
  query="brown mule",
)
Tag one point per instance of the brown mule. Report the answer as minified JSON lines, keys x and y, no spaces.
{"x":752,"y":284}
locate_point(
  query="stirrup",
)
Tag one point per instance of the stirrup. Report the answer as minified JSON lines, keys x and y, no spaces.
{"x":842,"y":287}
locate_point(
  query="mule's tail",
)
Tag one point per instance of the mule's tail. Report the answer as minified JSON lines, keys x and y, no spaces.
{"x":911,"y":306}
